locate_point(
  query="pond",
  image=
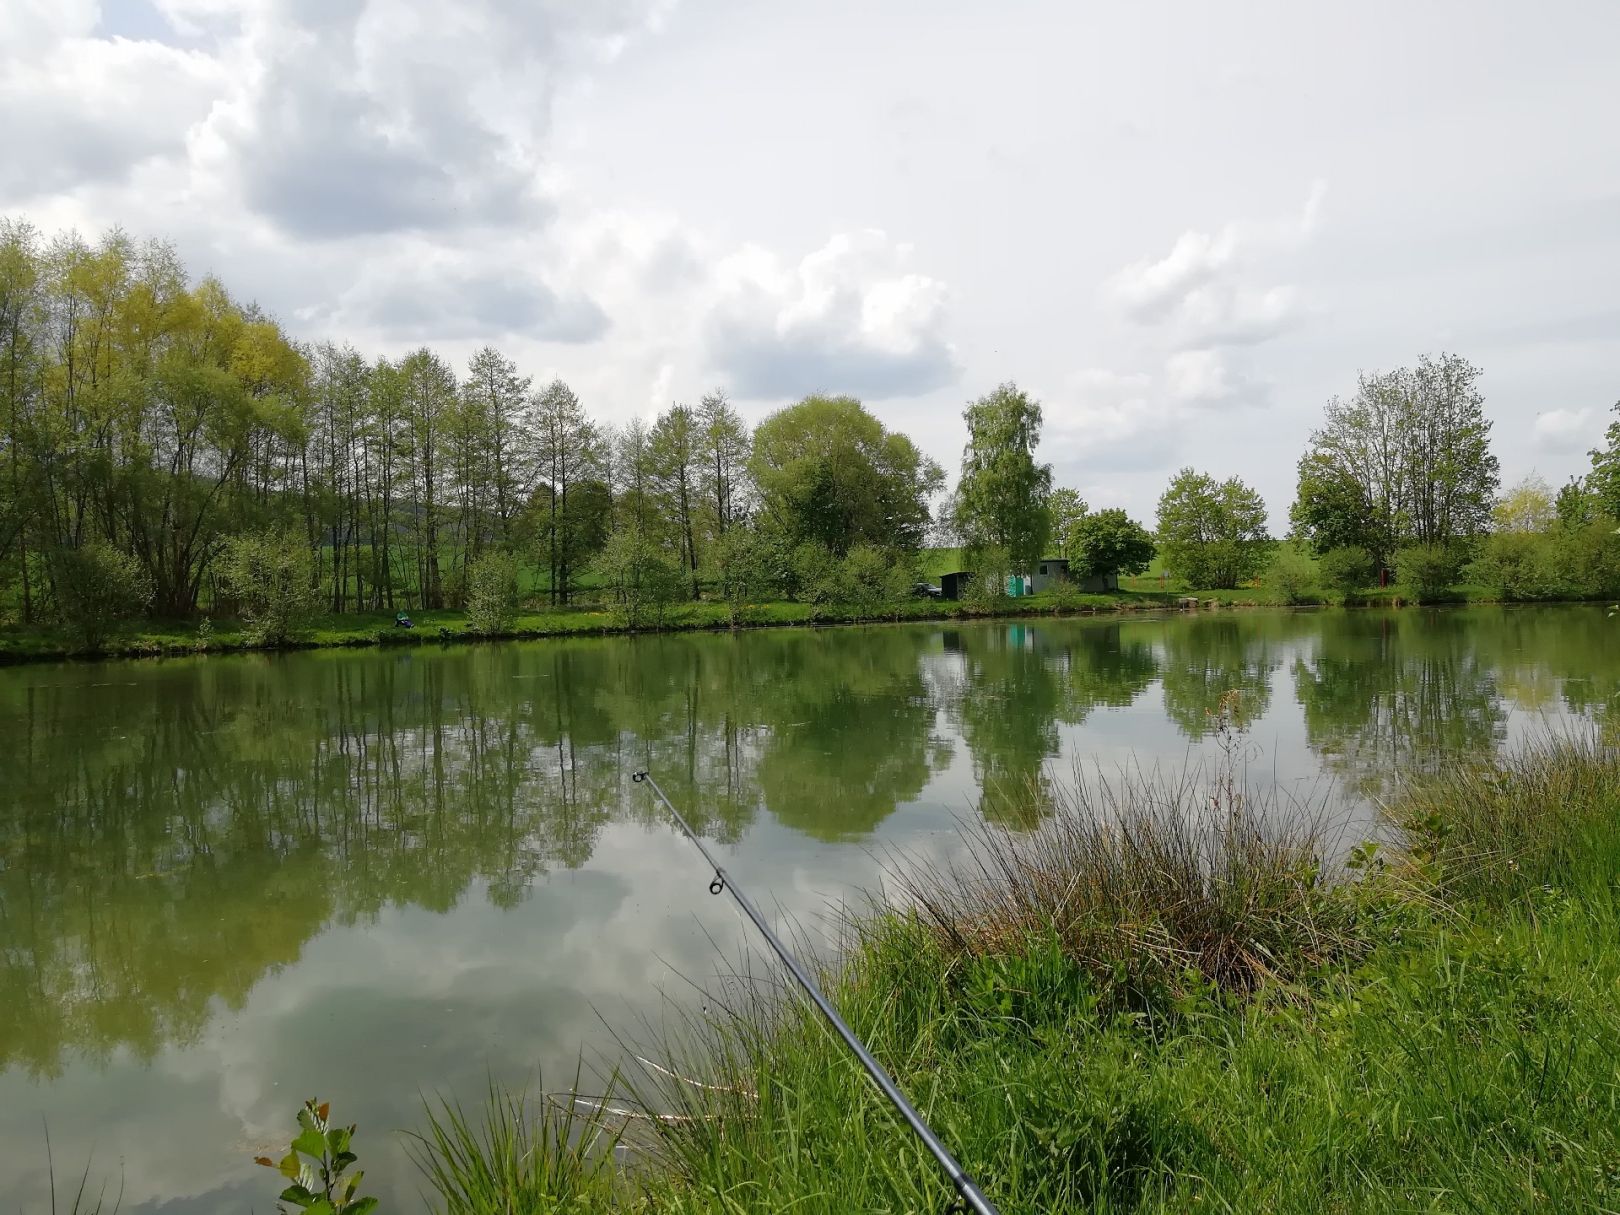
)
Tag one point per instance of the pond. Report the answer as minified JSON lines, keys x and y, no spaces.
{"x":229,"y":883}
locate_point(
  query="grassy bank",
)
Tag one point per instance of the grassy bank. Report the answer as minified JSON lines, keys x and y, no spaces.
{"x":1161,"y":1003}
{"x":154,"y":638}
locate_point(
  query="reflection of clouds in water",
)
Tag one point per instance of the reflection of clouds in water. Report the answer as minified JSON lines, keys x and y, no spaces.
{"x":371,"y":1016}
{"x":437,"y":935}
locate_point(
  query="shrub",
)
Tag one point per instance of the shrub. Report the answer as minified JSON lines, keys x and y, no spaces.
{"x":875,"y":578}
{"x":988,"y":587}
{"x":1425,"y":571}
{"x":1519,"y":565}
{"x":492,"y":592}
{"x":1589,"y":554}
{"x":642,"y":580}
{"x":271,"y":575}
{"x":1290,"y":578}
{"x":1346,"y":569}
{"x":96,"y":586}
{"x":739,"y":565}
{"x":817,"y":576}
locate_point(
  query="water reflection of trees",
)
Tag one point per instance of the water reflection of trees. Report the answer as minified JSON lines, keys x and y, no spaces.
{"x":1018,"y":683}
{"x":1386,"y":693}
{"x":189,"y":827}
{"x":1206,"y":657}
{"x":171,"y":832}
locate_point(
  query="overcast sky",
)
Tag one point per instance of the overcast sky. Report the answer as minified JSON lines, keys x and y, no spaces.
{"x":1183,"y":227}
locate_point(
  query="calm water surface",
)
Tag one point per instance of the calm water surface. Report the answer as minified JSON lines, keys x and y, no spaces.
{"x":230,"y":883}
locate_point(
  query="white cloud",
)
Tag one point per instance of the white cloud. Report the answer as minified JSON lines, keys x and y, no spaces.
{"x":851,"y":317}
{"x":1200,"y":377}
{"x":1203,"y":290}
{"x":432,"y":293}
{"x":1108,"y":421}
{"x":72,"y":96}
{"x":1150,"y":290}
{"x":1567,"y":430}
{"x":407,"y":115}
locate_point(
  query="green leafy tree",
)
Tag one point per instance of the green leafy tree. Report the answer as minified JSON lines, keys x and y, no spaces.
{"x":1526,"y":507}
{"x":1332,"y":509}
{"x":97,"y":586}
{"x":492,"y":592}
{"x":1589,"y":557}
{"x":640,"y":578}
{"x":1066,"y":508}
{"x":1002,"y":498}
{"x":1603,"y":482}
{"x":1212,"y":534}
{"x":1575,"y":506}
{"x":738,"y":564}
{"x":430,"y":394}
{"x":726,"y":447}
{"x":1290,"y":578}
{"x":1406,"y":460}
{"x":570,"y":452}
{"x":827,"y":471}
{"x":1108,"y":542}
{"x":271,"y":575}
{"x":675,"y":448}
{"x":497,"y":399}
{"x":632,"y":478}
{"x":1346,"y":569}
{"x":1452,"y":475}
{"x":1426,"y":571}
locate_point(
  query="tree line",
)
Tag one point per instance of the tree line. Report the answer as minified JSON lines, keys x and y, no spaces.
{"x":168,"y":449}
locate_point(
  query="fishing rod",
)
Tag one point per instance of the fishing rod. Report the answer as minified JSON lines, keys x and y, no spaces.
{"x":969,"y":1197}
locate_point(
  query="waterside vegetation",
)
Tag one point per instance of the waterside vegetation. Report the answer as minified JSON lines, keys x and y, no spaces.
{"x":172,"y":462}
{"x":1167,"y":997}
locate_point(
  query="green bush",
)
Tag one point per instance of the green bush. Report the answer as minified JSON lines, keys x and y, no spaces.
{"x":1519,"y":565}
{"x":492,"y":592}
{"x":271,"y":575}
{"x":1425,"y":571}
{"x":1290,"y":578}
{"x":1589,"y":554}
{"x":988,"y":586}
{"x":641,"y":580}
{"x":817,"y":575}
{"x":1346,"y":569}
{"x":96,"y":586}
{"x":875,"y":579}
{"x":739,"y":566}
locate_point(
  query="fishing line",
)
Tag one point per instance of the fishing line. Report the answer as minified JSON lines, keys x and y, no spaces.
{"x":969,"y":1197}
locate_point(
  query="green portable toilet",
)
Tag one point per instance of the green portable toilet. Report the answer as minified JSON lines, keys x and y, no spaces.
{"x":1015,"y":585}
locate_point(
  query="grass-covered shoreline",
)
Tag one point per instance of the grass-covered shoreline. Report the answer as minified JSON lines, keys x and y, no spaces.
{"x":145,"y":639}
{"x":1161,"y":1003}
{"x":158,"y":638}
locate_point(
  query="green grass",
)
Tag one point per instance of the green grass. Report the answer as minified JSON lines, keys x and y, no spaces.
{"x":152,"y":638}
{"x":517,"y":1154}
{"x":149,"y":638}
{"x":1238,"y":1035}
